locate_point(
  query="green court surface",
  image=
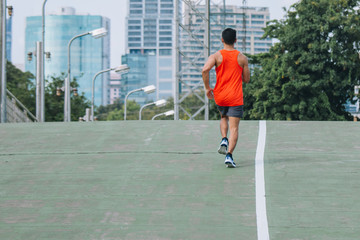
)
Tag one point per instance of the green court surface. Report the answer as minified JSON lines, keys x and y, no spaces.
{"x":312,"y":173}
{"x":165,"y":180}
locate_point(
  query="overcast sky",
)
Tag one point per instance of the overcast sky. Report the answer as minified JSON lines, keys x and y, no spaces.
{"x":115,"y":10}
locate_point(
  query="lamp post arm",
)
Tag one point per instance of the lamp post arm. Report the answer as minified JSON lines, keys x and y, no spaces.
{"x":69,"y":45}
{"x":67,"y":110}
{"x":127,"y":95}
{"x":43,"y":21}
{"x":144,"y":107}
{"x":93,"y":91}
{"x":157,"y":115}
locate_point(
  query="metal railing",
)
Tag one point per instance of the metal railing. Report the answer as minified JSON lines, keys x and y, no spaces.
{"x":16,"y":111}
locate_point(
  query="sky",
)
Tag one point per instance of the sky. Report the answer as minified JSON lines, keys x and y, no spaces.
{"x":115,"y":10}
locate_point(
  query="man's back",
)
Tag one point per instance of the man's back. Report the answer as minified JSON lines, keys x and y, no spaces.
{"x":241,"y":58}
{"x":228,"y":88}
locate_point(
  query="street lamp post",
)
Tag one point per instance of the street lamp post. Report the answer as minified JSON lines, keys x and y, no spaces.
{"x":148,"y":89}
{"x":42,"y":74}
{"x":3,"y":59}
{"x":168,"y":113}
{"x":97,"y":33}
{"x":159,"y":103}
{"x":39,"y":81}
{"x":120,"y":69}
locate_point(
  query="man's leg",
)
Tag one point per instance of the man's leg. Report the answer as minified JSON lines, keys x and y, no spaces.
{"x":234,"y":132}
{"x":224,"y":126}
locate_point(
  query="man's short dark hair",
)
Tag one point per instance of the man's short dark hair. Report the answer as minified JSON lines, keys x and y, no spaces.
{"x":229,"y":36}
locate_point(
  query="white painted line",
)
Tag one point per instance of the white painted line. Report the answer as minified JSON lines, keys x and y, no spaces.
{"x":261,"y":216}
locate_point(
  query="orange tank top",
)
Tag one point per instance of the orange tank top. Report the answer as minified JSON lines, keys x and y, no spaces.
{"x":228,"y":88}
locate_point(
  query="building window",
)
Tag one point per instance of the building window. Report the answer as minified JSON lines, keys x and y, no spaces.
{"x":150,"y":21}
{"x":257,"y":22}
{"x":165,"y":44}
{"x":165,"y":21}
{"x":165,"y":27}
{"x":134,"y":45}
{"x":166,"y":5}
{"x":150,"y":51}
{"x":134,"y":22}
{"x":134,"y":27}
{"x":256,"y":16}
{"x":150,"y":27}
{"x":135,"y":11}
{"x":166,"y":11}
{"x":151,"y":11}
{"x":134,"y":51}
{"x":165,"y":52}
{"x":135,"y":5}
{"x":134,"y":39}
{"x":148,"y":44}
{"x":165,"y":33}
{"x":165,"y":39}
{"x":134,"y":33}
{"x":150,"y":33}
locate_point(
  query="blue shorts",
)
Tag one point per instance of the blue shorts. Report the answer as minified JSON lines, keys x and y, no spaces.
{"x":236,"y":111}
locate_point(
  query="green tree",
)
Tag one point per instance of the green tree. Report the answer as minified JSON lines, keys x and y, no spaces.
{"x":54,"y":105}
{"x":21,"y":85}
{"x":311,"y":72}
{"x":132,"y":112}
{"x":102,"y":112}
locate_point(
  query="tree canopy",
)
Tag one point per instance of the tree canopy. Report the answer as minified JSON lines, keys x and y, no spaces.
{"x":310,"y":73}
{"x":54,"y":105}
{"x":21,"y":84}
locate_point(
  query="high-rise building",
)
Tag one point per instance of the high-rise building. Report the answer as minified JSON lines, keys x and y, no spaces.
{"x":88,"y":55}
{"x":248,"y":21}
{"x":150,"y":30}
{"x":142,"y":73}
{"x":8,"y":38}
{"x":115,"y":87}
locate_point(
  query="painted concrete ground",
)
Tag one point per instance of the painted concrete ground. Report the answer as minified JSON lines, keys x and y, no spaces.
{"x":165,"y":180}
{"x":312,"y":175}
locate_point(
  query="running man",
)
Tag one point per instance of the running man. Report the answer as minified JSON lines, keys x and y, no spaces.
{"x":231,"y":71}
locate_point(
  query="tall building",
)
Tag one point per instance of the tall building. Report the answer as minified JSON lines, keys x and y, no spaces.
{"x":251,"y":31}
{"x":142,"y":73}
{"x":115,"y":87}
{"x":88,"y":55}
{"x":8,"y":38}
{"x":150,"y":30}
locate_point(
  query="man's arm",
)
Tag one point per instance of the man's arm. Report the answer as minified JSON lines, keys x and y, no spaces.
{"x":243,"y":62}
{"x":205,"y":76}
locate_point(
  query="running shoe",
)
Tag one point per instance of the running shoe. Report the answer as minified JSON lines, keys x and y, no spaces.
{"x":229,"y":161}
{"x":223,"y":146}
